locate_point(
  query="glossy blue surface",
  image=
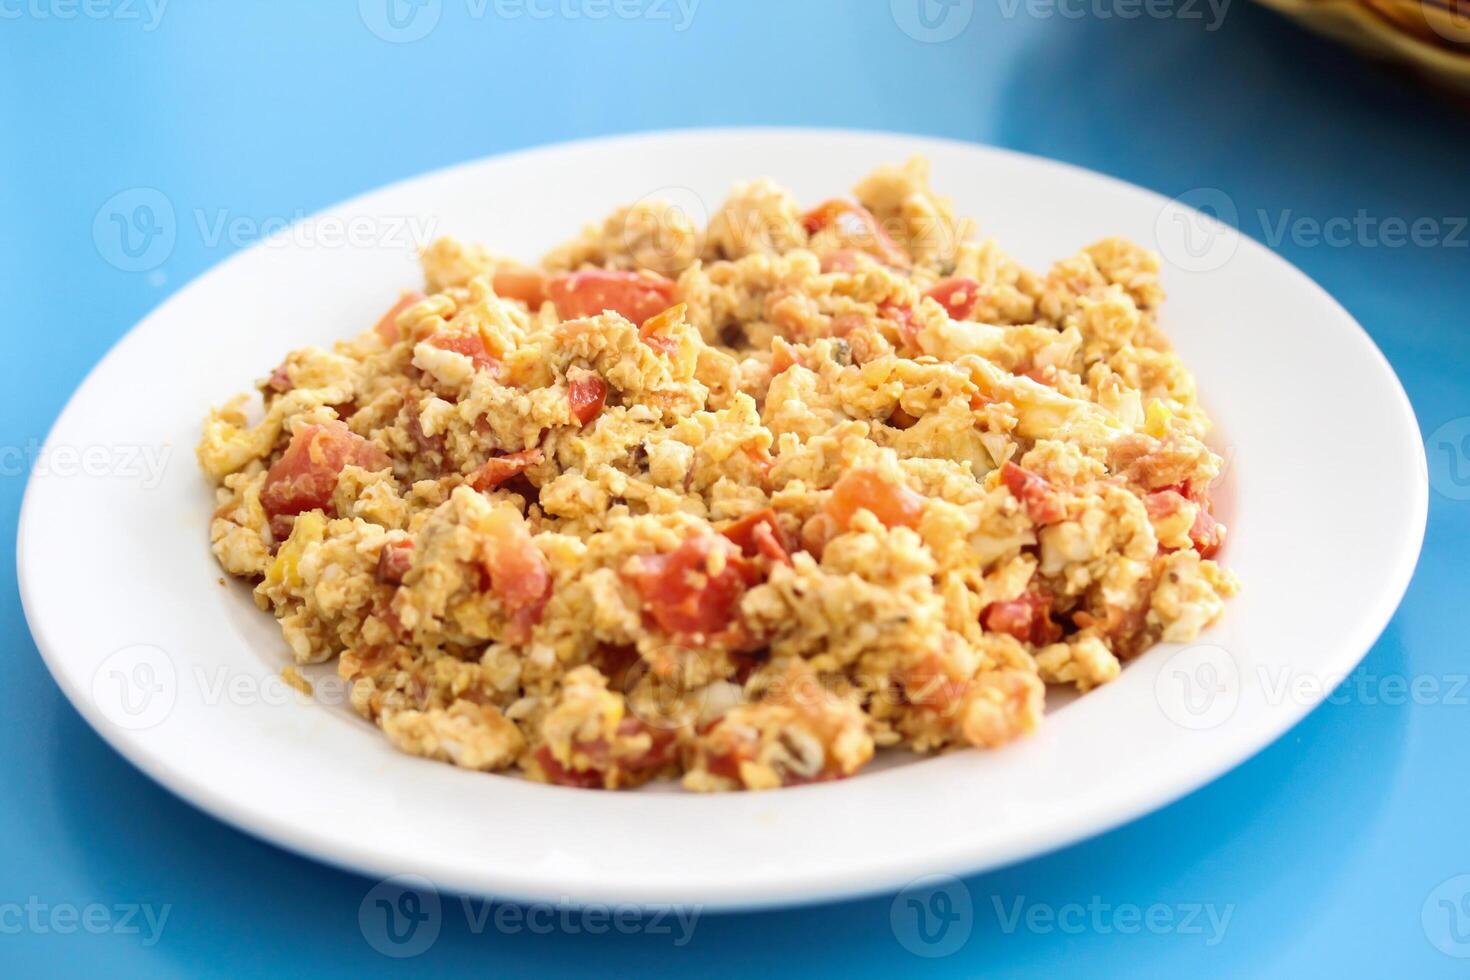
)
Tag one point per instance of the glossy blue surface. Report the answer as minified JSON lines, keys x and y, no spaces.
{"x":1333,"y":853}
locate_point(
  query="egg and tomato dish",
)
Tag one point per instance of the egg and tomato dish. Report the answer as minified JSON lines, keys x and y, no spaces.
{"x":736,"y":505}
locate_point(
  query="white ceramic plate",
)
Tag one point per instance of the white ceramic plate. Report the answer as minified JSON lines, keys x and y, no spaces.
{"x":1325,"y":495}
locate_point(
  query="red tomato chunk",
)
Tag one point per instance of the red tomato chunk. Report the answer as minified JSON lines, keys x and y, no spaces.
{"x":862,"y":489}
{"x":1162,"y":503}
{"x":959,"y":296}
{"x":1028,"y":619}
{"x":305,"y":476}
{"x":498,"y":469}
{"x":1205,"y":534}
{"x":602,"y":761}
{"x":560,"y":775}
{"x":394,"y":562}
{"x":387,"y":327}
{"x":587,"y":394}
{"x":655,"y":330}
{"x":471,"y":345}
{"x":635,"y":295}
{"x":517,"y":570}
{"x":681,"y":592}
{"x":759,"y":534}
{"x":1042,"y":501}
{"x":903,"y":317}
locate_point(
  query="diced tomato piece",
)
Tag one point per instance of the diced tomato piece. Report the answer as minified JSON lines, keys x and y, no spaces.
{"x":587,"y":394}
{"x":863,"y":489}
{"x":517,"y":569}
{"x":387,"y":327}
{"x":841,"y":260}
{"x":305,"y":476}
{"x":394,"y":561}
{"x":762,"y":460}
{"x":661,"y":749}
{"x":1205,"y":534}
{"x":280,"y":380}
{"x":654,"y":331}
{"x":603,"y":759}
{"x":1162,"y":503}
{"x":959,"y":296}
{"x":471,"y":345}
{"x":760,"y":534}
{"x":1028,"y":618}
{"x":518,"y":575}
{"x":725,"y":748}
{"x":904,"y":318}
{"x":726,"y":764}
{"x":637,"y":296}
{"x":498,"y":469}
{"x":1040,"y":376}
{"x":1042,"y":501}
{"x":521,"y":283}
{"x":560,"y":775}
{"x":662,"y":343}
{"x":681,"y":593}
{"x":822,"y":215}
{"x":280,"y":525}
{"x":845,"y":323}
{"x":783,"y":357}
{"x":525,"y":618}
{"x":816,"y":532}
{"x":857,"y":228}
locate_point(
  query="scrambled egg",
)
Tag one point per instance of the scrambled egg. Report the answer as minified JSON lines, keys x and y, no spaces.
{"x":736,"y":505}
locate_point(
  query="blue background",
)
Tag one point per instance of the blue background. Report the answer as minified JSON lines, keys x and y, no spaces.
{"x":1326,"y":847}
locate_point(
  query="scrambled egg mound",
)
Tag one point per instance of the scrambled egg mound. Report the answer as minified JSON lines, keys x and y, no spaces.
{"x":736,"y":505}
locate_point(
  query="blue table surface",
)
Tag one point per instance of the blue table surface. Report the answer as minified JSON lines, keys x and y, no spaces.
{"x":1335,"y":852}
